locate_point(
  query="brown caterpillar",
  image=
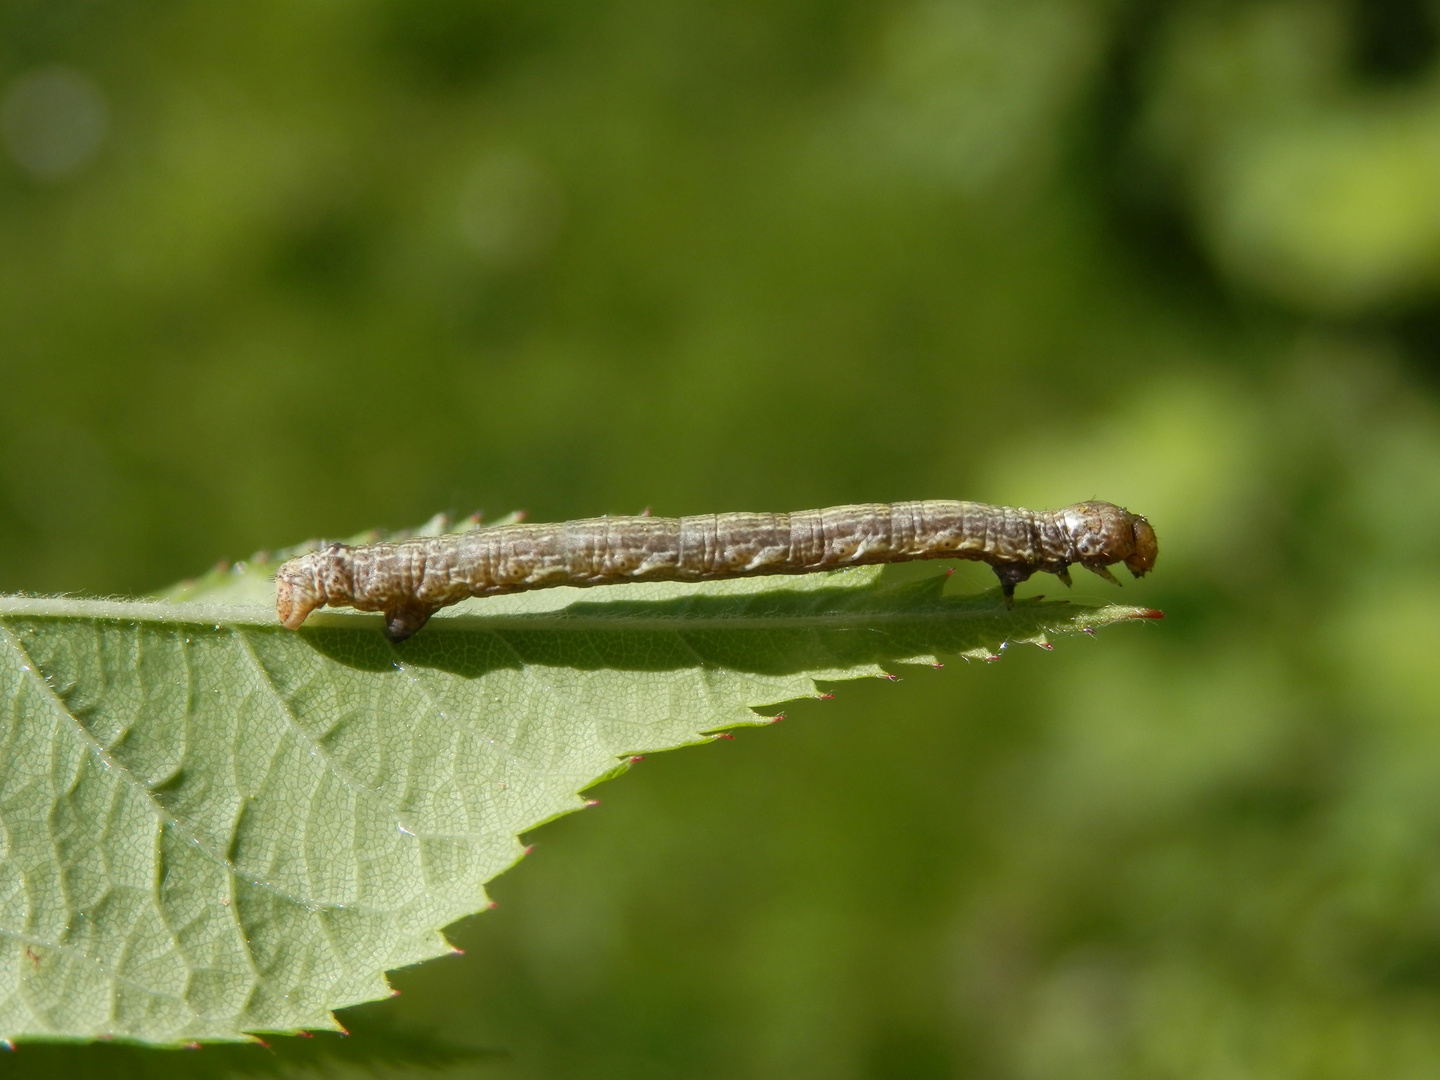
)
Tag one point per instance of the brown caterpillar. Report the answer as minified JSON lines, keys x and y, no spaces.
{"x":412,"y":579}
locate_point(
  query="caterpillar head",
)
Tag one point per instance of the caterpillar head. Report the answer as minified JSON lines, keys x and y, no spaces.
{"x":1102,"y":533}
{"x":1141,"y":559}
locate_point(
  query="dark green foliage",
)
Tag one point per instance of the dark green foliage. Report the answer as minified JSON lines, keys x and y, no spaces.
{"x":453,"y":43}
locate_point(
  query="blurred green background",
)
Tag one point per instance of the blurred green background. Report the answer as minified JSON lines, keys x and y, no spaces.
{"x":278,"y":270}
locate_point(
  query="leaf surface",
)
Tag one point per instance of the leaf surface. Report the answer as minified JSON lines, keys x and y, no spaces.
{"x":210,"y":825}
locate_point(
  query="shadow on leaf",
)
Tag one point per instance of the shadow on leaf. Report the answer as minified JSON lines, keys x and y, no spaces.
{"x":773,"y":633}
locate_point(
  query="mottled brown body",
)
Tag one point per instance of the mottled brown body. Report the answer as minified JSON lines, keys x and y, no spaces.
{"x":412,"y":579}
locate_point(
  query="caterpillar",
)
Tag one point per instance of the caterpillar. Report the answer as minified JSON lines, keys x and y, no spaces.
{"x":411,"y":579}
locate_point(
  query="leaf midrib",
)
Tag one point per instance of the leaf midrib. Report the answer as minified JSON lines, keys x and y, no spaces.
{"x":213,"y":615}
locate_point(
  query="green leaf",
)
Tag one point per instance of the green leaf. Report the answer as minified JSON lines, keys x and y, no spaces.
{"x":210,"y":825}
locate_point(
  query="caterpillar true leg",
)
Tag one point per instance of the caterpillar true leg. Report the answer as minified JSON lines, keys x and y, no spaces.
{"x":1103,"y":571}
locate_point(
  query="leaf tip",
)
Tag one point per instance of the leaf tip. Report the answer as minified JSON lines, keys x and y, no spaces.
{"x":1115,"y":613}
